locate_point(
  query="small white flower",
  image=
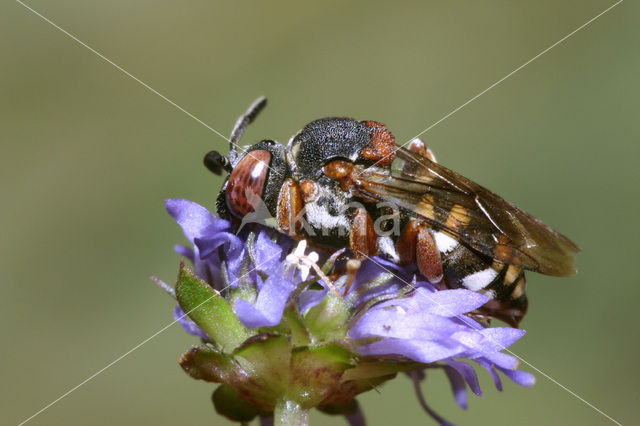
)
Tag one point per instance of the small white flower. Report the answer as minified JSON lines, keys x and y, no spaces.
{"x":302,"y":261}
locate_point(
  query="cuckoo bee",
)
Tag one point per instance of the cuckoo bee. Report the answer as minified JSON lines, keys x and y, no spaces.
{"x":344,"y":183}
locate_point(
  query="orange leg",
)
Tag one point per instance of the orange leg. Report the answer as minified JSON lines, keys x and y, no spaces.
{"x":428,"y":256}
{"x":363,"y":238}
{"x":289,"y":208}
{"x":406,"y":244}
{"x":417,"y":245}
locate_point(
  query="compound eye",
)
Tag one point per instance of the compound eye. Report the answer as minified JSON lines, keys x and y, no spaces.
{"x":246,"y":182}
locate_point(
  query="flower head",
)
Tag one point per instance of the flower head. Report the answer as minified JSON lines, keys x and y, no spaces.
{"x":284,"y":331}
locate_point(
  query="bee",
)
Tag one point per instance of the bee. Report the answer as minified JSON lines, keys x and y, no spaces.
{"x":344,"y":183}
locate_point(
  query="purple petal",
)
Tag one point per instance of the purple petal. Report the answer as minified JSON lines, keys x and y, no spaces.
{"x":416,"y":378}
{"x":266,"y":421}
{"x":209,"y":272}
{"x":423,"y":284}
{"x":372,"y":269}
{"x":503,"y":360}
{"x":488,"y":340}
{"x":501,"y":337}
{"x":395,"y":321}
{"x":468,"y":373}
{"x":369,"y":270}
{"x":417,"y":317}
{"x":390,"y":266}
{"x":185,"y":251}
{"x":209,"y":245}
{"x":421,"y":351}
{"x":357,"y":418}
{"x":494,"y":374}
{"x":457,"y":386}
{"x":195,"y":220}
{"x":266,"y":251}
{"x":188,"y":325}
{"x":236,"y":270}
{"x":520,"y":377}
{"x":269,"y":305}
{"x":310,"y":298}
{"x":450,"y":303}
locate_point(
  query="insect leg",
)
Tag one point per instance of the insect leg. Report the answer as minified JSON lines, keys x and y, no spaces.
{"x":428,"y":256}
{"x":418,"y":245}
{"x":406,"y":244}
{"x":289,"y":209}
{"x":362,"y":237}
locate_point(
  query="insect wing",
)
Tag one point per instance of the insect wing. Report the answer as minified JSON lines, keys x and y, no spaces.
{"x":468,"y":212}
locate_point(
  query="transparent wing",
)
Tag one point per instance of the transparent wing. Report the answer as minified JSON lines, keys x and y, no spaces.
{"x":469,"y":213}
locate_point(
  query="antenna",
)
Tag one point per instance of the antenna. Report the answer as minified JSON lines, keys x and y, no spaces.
{"x":242,"y":123}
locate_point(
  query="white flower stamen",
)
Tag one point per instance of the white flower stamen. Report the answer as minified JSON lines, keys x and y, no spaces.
{"x":305,"y":263}
{"x":302,"y":261}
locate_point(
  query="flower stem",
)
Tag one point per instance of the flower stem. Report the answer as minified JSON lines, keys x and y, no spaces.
{"x":290,"y":413}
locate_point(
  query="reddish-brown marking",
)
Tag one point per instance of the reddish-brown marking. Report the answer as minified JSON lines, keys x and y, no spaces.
{"x":417,"y":245}
{"x":406,"y":244}
{"x":504,"y":251}
{"x":247,"y":181}
{"x":340,"y":170}
{"x":428,"y":256}
{"x":309,"y":190}
{"x":419,"y":147}
{"x":289,"y":207}
{"x":363,"y":238}
{"x":383,"y":144}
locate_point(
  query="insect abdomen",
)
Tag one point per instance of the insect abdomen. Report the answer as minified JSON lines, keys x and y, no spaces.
{"x":504,"y":284}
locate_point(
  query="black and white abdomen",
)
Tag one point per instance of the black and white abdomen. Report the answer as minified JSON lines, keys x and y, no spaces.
{"x":467,"y":268}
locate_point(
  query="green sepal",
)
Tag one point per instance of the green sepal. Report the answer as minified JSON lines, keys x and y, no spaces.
{"x":290,"y":325}
{"x":349,"y":389}
{"x":266,"y":359}
{"x":207,"y":308}
{"x":329,"y":319}
{"x":228,"y":403}
{"x":297,"y":328}
{"x":207,"y":363}
{"x":316,"y":372}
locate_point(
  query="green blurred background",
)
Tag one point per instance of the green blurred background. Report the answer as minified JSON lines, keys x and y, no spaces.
{"x":88,"y":155}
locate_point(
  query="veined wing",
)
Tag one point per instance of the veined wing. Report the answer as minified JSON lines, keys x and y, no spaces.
{"x":468,"y":212}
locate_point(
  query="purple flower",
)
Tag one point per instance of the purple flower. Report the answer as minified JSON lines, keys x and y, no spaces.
{"x":389,"y":316}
